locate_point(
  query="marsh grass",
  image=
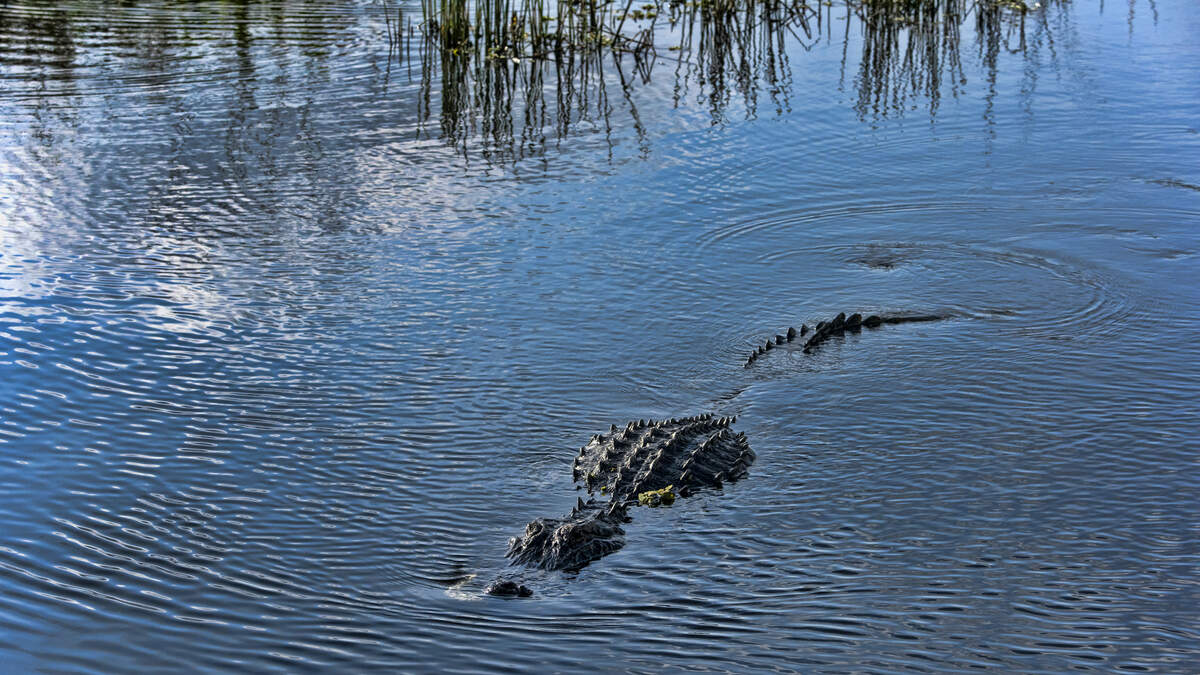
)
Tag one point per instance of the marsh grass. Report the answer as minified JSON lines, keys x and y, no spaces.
{"x":544,"y":29}
{"x":520,"y":74}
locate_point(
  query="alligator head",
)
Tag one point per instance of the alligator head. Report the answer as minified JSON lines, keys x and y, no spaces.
{"x":590,"y":532}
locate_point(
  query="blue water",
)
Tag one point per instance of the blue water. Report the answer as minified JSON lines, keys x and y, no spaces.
{"x":293,"y":338}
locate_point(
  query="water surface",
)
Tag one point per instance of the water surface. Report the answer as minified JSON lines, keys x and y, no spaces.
{"x":294,"y":334}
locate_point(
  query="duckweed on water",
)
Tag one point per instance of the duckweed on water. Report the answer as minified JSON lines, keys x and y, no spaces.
{"x":663,"y":497}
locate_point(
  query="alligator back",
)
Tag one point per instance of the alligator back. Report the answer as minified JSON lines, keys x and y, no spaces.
{"x":645,"y":456}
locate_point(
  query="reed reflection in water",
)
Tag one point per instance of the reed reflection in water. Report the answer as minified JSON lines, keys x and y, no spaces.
{"x":508,"y":98}
{"x":279,"y":378}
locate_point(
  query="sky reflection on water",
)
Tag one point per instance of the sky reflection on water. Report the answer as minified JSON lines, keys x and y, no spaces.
{"x":294,"y":335}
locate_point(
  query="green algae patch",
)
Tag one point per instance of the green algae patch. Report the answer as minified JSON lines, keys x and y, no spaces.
{"x":663,"y":497}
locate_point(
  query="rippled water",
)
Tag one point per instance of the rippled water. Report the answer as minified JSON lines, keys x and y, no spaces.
{"x":292,"y":340}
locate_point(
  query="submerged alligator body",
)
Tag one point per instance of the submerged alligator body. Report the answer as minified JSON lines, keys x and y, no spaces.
{"x":648,"y":462}
{"x":644,"y":457}
{"x":839,"y":325}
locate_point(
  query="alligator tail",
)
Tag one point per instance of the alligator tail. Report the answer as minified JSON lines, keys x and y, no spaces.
{"x":836,"y":326}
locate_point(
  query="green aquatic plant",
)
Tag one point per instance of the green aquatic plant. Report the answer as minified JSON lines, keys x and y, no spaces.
{"x":663,"y":497}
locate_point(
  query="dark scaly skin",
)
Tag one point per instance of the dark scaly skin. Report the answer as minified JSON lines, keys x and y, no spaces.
{"x":686,"y":454}
{"x":647,"y":455}
{"x":839,"y":325}
{"x":591,"y":531}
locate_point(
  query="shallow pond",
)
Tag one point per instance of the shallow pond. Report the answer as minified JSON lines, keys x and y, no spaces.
{"x":296,"y":332}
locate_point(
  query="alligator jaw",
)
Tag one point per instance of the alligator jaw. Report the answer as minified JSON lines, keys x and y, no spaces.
{"x":508,"y":588}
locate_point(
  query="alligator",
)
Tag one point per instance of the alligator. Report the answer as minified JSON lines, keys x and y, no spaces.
{"x":649,"y":463}
{"x":839,"y":325}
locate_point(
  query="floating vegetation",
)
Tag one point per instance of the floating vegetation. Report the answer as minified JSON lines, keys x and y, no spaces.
{"x":517,"y":75}
{"x":663,"y":497}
